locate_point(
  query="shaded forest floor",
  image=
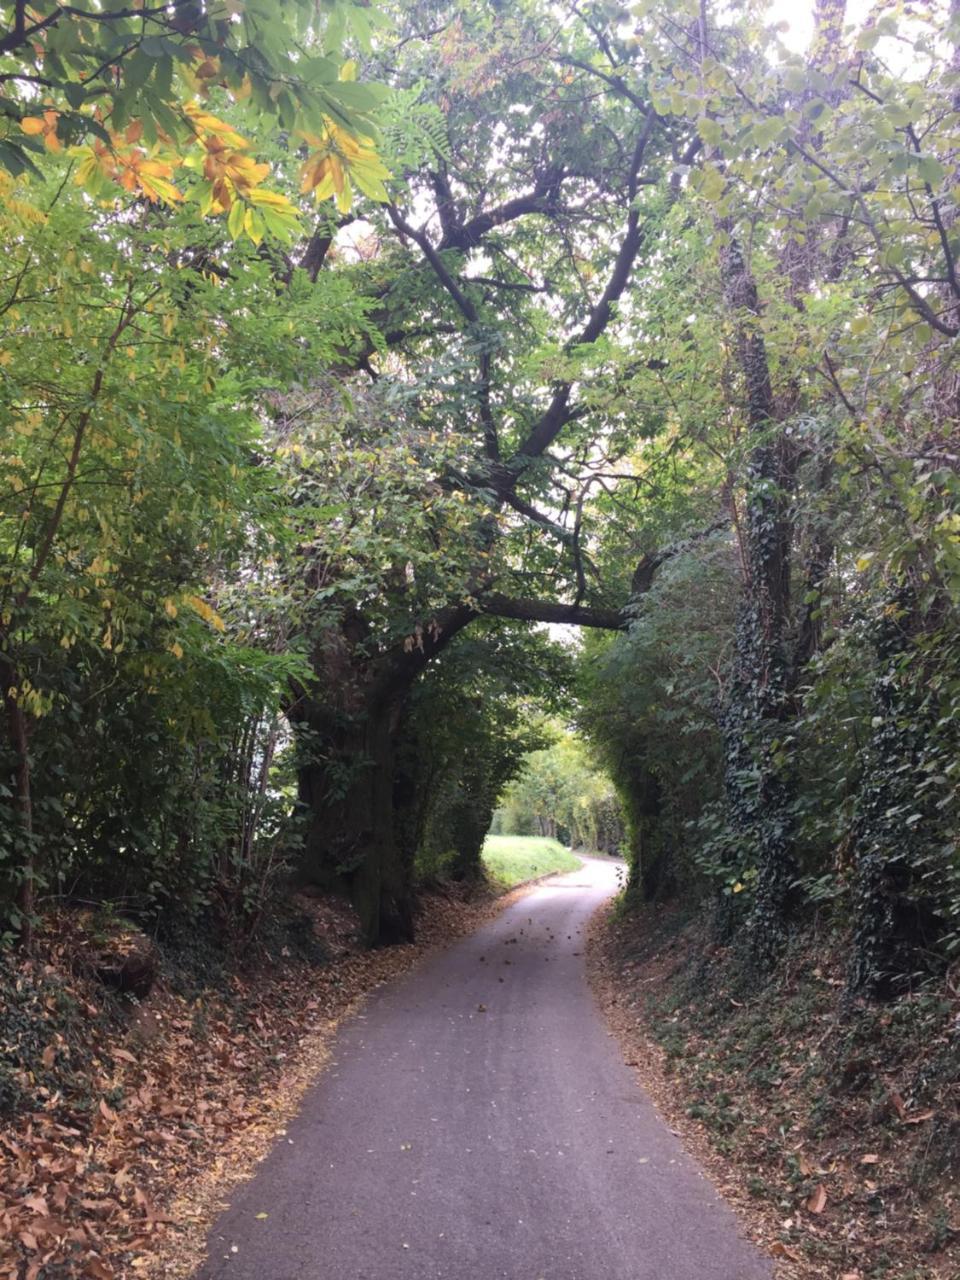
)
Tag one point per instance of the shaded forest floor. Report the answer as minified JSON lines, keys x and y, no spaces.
{"x":836,"y":1135}
{"x":123,"y":1122}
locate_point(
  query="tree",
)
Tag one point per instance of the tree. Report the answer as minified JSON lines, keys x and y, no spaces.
{"x":89,"y":468}
{"x":561,"y":794}
{"x":517,"y":372}
{"x":819,"y":247}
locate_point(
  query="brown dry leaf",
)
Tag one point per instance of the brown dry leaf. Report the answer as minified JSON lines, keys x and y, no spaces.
{"x":106,"y":1111}
{"x":817,"y":1201}
{"x":123,"y":1055}
{"x":897,"y":1103}
{"x":919,"y":1118}
{"x":870,"y":1158}
{"x":98,"y":1270}
{"x":780,"y":1250}
{"x":49,"y":1055}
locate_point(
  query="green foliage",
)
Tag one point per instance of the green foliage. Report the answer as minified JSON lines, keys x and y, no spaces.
{"x":468,"y":731}
{"x":560,"y":794}
{"x":650,"y":705}
{"x":135,"y":83}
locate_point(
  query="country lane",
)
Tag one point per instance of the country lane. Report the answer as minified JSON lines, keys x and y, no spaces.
{"x":478,"y":1122}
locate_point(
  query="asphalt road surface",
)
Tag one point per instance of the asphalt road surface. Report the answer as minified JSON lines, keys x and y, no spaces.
{"x":478,"y":1122}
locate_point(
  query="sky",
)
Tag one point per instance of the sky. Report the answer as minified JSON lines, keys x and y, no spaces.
{"x":799,"y":14}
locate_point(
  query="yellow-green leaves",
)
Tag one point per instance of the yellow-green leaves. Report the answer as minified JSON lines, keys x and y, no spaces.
{"x":338,"y":162}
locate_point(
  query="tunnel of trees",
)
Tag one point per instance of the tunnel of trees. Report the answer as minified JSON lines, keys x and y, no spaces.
{"x":343,"y":352}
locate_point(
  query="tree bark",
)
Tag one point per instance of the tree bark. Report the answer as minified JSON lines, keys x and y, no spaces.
{"x":757,"y":791}
{"x":351,"y":842}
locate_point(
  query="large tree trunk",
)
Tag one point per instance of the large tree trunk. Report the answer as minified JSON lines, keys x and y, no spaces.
{"x":347,"y":789}
{"x":758,"y":792}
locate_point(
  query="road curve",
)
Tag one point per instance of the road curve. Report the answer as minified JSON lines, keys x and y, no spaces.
{"x":478,"y":1122}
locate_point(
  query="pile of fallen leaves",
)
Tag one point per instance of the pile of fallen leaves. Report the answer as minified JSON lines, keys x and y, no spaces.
{"x":110,"y":1107}
{"x":835,"y":1129}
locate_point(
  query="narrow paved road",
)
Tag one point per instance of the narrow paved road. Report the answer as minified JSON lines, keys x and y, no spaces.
{"x":479,"y":1122}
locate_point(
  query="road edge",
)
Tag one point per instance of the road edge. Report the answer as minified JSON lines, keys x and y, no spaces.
{"x":647,"y":1060}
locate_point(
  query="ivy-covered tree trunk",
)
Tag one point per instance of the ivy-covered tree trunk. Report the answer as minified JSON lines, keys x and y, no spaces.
{"x":757,"y":788}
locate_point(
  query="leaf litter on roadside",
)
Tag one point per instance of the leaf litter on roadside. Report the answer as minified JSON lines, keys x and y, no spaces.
{"x":139,"y":1117}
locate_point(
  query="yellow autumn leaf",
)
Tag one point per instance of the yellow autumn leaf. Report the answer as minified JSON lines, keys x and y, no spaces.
{"x":338,"y":159}
{"x":45,"y":127}
{"x":204,"y":610}
{"x":204,"y":123}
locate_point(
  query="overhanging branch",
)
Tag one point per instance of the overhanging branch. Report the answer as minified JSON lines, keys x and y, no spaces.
{"x":525,"y":610}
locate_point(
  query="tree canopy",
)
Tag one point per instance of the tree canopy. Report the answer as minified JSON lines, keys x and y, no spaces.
{"x":342,"y":341}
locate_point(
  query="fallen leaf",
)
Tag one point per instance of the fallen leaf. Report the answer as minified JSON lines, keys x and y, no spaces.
{"x":261,"y":1216}
{"x":870,"y":1158}
{"x":98,"y":1270}
{"x":817,"y":1201}
{"x":919,"y":1118}
{"x":106,"y":1112}
{"x":780,"y":1250}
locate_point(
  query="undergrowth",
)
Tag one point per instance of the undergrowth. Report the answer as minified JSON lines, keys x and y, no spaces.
{"x":843,"y":1116}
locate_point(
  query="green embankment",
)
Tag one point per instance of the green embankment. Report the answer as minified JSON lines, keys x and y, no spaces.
{"x":510,"y":860}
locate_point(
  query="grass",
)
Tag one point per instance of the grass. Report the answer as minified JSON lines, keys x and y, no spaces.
{"x":510,"y":860}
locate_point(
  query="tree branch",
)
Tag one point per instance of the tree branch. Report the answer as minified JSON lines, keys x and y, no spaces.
{"x":468,"y":310}
{"x":469,"y":235}
{"x":524,"y":610}
{"x":553,"y":420}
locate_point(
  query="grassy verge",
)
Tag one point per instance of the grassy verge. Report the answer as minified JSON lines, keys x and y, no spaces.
{"x":510,"y":860}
